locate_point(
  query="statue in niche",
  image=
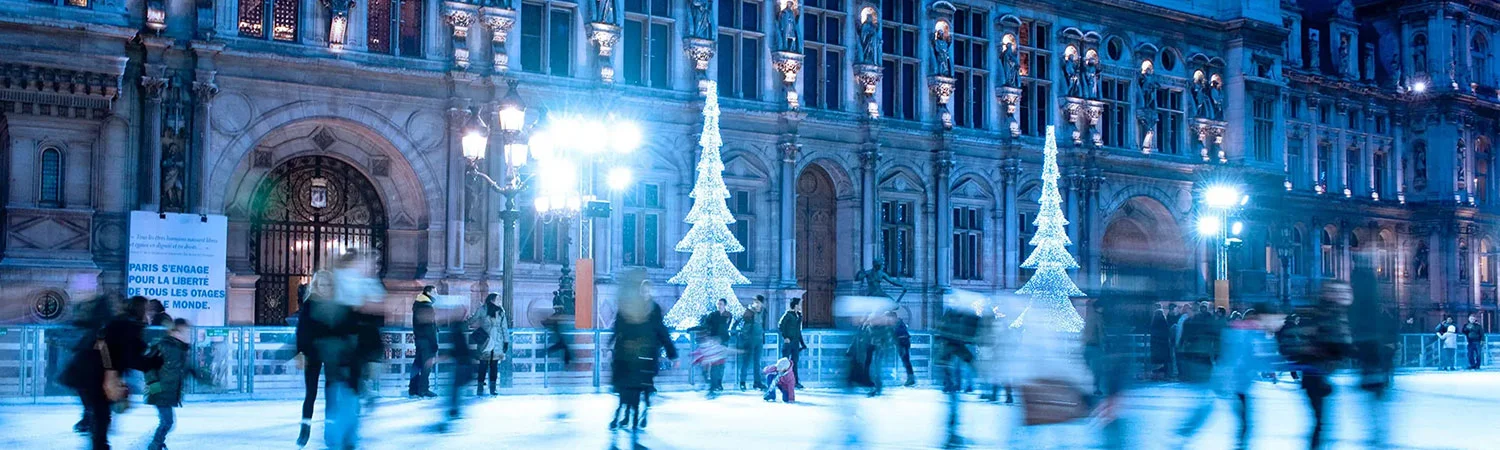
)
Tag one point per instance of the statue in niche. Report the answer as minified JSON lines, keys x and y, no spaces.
{"x":700,"y":15}
{"x":1419,"y":164}
{"x":1010,"y":62}
{"x":604,"y":11}
{"x":942,"y":49}
{"x":1397,"y":77}
{"x":786,"y":26}
{"x":1344,"y":50}
{"x":1091,"y":71}
{"x":173,"y":164}
{"x":1215,"y":98}
{"x":1420,"y":261}
{"x":1314,"y":51}
{"x":1462,"y":160}
{"x":1073,"y":72}
{"x":875,"y":278}
{"x":1147,"y":86}
{"x":1367,"y":63}
{"x":1199,"y":94}
{"x":869,"y":37}
{"x":1419,"y":54}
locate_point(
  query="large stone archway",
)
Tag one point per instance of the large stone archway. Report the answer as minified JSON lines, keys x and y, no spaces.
{"x":1144,"y":256}
{"x":358,"y":153}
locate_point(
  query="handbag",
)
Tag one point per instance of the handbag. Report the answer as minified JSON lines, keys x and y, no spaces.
{"x":1051,"y":401}
{"x":479,"y":337}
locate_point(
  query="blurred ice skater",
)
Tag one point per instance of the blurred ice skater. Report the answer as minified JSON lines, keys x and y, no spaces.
{"x":1200,"y":345}
{"x":1053,"y":380}
{"x":1246,"y":355}
{"x":357,"y":293}
{"x":640,"y":337}
{"x":1375,"y":332}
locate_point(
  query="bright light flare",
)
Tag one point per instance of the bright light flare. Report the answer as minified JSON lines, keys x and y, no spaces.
{"x":625,"y":137}
{"x":1209,"y":225}
{"x":1222,"y":196}
{"x":619,"y":178}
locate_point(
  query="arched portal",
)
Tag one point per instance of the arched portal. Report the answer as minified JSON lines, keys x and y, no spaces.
{"x":305,"y":212}
{"x":817,"y":236}
{"x":1143,"y":254}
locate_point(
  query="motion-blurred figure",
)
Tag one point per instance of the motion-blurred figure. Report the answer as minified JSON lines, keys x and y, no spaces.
{"x":779,"y":377}
{"x":1315,"y":344}
{"x":903,"y":345}
{"x":102,"y":358}
{"x":1053,"y":380}
{"x":1111,"y":368}
{"x":751,"y":339}
{"x":1375,"y":332}
{"x":1200,"y":344}
{"x":320,"y":289}
{"x":957,"y":331}
{"x":713,"y":330}
{"x":1247,"y":350}
{"x":172,"y":357}
{"x":463,"y":366}
{"x":424,"y":328}
{"x":357,"y":296}
{"x":1161,"y":341}
{"x":640,"y":337}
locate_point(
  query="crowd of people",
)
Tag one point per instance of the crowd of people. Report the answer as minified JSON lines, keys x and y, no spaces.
{"x":1059,"y":377}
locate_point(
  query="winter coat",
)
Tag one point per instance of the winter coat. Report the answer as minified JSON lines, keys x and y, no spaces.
{"x":498,"y":343}
{"x":161,"y":319}
{"x":784,"y":381}
{"x":127,"y":350}
{"x":1450,"y":340}
{"x":791,"y":329}
{"x":164,"y":384}
{"x":751,"y":333}
{"x":1247,"y":352}
{"x":902,"y":333}
{"x":638,"y":348}
{"x":309,"y":330}
{"x":424,"y":324}
{"x":1474,"y":332}
{"x":1200,"y":336}
{"x":716,"y":325}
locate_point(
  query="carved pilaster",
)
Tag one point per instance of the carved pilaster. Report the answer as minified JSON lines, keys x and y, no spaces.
{"x":460,"y":21}
{"x":867,"y":76}
{"x":1010,"y":99}
{"x":942,"y":91}
{"x":789,"y":64}
{"x":700,"y":51}
{"x":605,"y":36}
{"x":500,"y":21}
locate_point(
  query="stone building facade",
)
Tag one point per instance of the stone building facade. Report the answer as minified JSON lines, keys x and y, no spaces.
{"x":855,"y":131}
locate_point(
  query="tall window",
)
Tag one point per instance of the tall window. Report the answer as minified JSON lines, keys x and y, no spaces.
{"x":742,"y":206}
{"x":1296,"y":264}
{"x":824,"y":49}
{"x":547,"y":39}
{"x":901,"y":40}
{"x":1330,"y":259}
{"x":1169,"y":121}
{"x":1265,"y":125}
{"x":1036,"y":81}
{"x":1325,"y":157}
{"x":1482,"y":163}
{"x":897,"y":236}
{"x":1294,"y":163}
{"x":1351,"y":169}
{"x":968,"y":243}
{"x":1380,"y":164}
{"x":541,"y":242}
{"x":641,"y":225}
{"x":1026,"y":231}
{"x":1486,"y":263}
{"x":970,"y":63}
{"x":404,"y":17}
{"x":50,"y":192}
{"x":1116,"y":119}
{"x":281,"y":14}
{"x":1385,"y":263}
{"x":648,"y":43}
{"x":1480,"y":61}
{"x":740,"y":36}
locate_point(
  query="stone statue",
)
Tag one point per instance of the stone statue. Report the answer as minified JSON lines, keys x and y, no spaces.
{"x":1398,"y":77}
{"x":786,"y":26}
{"x":1461,"y":160}
{"x":942,"y":53}
{"x":1419,"y":164}
{"x":1199,"y":95}
{"x":1419,"y":55}
{"x":604,"y":11}
{"x":1367,"y":63}
{"x":173,"y":163}
{"x":1010,"y":65}
{"x":1314,"y":51}
{"x":1344,"y":50}
{"x":1421,"y":261}
{"x":874,"y":280}
{"x":1072,"y":74}
{"x":702,"y":19}
{"x":869,"y":40}
{"x":1091,"y":71}
{"x":1215,"y":98}
{"x":1147,"y":85}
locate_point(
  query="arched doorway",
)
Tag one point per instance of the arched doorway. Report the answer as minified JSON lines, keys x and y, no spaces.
{"x":1143,"y":255}
{"x":305,"y":212}
{"x":817,"y":236}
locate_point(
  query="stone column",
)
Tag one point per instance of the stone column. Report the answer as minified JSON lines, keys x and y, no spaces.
{"x":204,"y":91}
{"x":455,"y":188}
{"x":869,"y":211}
{"x":153,"y":87}
{"x":942,"y":170}
{"x":1010,"y":168}
{"x":788,"y":208}
{"x":358,"y":39}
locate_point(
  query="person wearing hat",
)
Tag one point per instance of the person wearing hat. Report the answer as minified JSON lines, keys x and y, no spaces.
{"x":780,"y":376}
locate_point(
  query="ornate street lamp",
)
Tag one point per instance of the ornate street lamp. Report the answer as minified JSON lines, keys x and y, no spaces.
{"x":1221,"y":201}
{"x":1284,"y":252}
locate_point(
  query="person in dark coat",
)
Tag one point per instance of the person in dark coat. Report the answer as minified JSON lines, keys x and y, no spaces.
{"x":424,"y":327}
{"x":714,"y":327}
{"x":101,"y":362}
{"x":1474,"y":332}
{"x":156,"y":314}
{"x":308,"y":331}
{"x":1317,"y":344}
{"x":173,"y":356}
{"x":903,"y":345}
{"x":1161,"y":341}
{"x":751,"y":339}
{"x":792,"y":345}
{"x":640,"y":338}
{"x":1200,"y":345}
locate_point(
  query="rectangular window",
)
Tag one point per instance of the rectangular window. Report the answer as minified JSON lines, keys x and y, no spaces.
{"x":541,"y":242}
{"x":641,"y":226}
{"x":1036,"y":80}
{"x":546,"y":39}
{"x":1325,"y":164}
{"x":970,"y":68}
{"x":897,"y":237}
{"x":284,"y":15}
{"x":647,"y":48}
{"x":1116,"y":121}
{"x":741,"y":204}
{"x":379,"y":26}
{"x":1169,"y":121}
{"x":1026,"y":231}
{"x":968,"y":243}
{"x":1265,"y":125}
{"x":253,"y":18}
{"x":403,"y":16}
{"x":739,"y":51}
{"x":409,"y":29}
{"x":1351,"y":170}
{"x":1380,"y":175}
{"x":823,"y":50}
{"x":899,"y":86}
{"x":1295,"y":165}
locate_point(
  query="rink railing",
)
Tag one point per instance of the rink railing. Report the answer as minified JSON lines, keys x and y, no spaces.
{"x":257,"y":362}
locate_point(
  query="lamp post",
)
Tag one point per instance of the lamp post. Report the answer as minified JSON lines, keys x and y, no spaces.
{"x":1214,"y":222}
{"x":1284,"y":253}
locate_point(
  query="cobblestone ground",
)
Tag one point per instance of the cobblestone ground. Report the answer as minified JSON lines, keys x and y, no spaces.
{"x":1429,"y":411}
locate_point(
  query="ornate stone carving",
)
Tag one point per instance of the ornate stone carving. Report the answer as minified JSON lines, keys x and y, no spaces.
{"x":605,"y":36}
{"x":1010,"y":98}
{"x":869,"y":36}
{"x":460,"y":20}
{"x":701,"y":19}
{"x":942,"y":90}
{"x":789,"y":65}
{"x":700,"y":51}
{"x":788,"y":26}
{"x":500,"y":21}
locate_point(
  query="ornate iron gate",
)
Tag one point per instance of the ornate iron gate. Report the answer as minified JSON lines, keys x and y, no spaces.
{"x":307,"y":211}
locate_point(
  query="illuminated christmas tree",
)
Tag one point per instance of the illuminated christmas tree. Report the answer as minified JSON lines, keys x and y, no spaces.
{"x":1050,"y":287}
{"x":708,"y":274}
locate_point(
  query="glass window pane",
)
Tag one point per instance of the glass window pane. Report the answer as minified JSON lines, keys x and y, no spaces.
{"x":634,"y":52}
{"x":831,"y":31}
{"x":750,"y":68}
{"x":750,"y":16}
{"x":651,"y":249}
{"x":810,"y":29}
{"x":813,"y":64}
{"x":561,"y":43}
{"x":834,"y":83}
{"x":726,"y":59}
{"x":660,"y":56}
{"x":727,"y":8}
{"x":635,"y":6}
{"x":661,"y":8}
{"x":411,"y":28}
{"x":531,"y":37}
{"x":653,"y":196}
{"x":252,"y":18}
{"x":284,"y":19}
{"x":628,"y":240}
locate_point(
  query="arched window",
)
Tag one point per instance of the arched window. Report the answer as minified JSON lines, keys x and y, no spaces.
{"x":1486,"y":262}
{"x":50,"y":192}
{"x":1330,"y":264}
{"x":1296,"y":253}
{"x":1385,"y":261}
{"x":1480,"y":61}
{"x":1482,"y":170}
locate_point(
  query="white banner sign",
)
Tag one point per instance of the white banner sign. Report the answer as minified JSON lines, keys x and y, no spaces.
{"x":180,"y":260}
